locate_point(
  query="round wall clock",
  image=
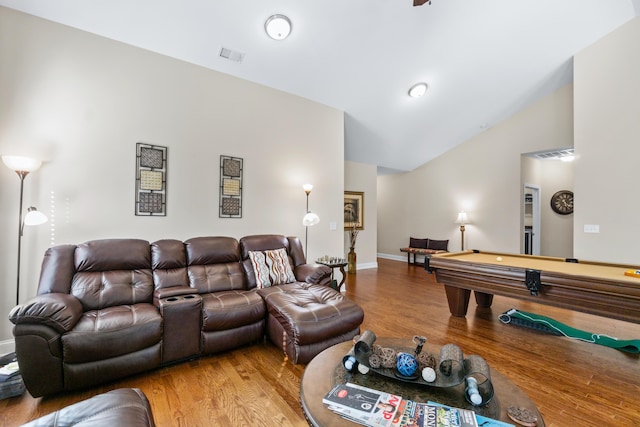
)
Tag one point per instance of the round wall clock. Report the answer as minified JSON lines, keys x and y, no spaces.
{"x":562,"y":202}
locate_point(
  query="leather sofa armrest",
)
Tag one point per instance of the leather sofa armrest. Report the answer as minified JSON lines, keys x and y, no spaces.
{"x":172,"y":292}
{"x":313,"y":273}
{"x":58,"y":311}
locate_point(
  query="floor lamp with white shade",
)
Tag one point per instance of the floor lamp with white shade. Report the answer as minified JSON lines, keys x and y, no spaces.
{"x":22,"y":166}
{"x":309,"y":219}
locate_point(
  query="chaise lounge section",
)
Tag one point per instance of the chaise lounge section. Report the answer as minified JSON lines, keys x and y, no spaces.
{"x":106,"y":309}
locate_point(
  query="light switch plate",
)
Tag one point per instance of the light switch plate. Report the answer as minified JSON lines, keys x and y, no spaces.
{"x":591,"y":228}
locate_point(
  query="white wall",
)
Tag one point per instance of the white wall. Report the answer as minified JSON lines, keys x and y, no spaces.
{"x":362,"y":177}
{"x":81,"y":102}
{"x":556,"y":231}
{"x":607,"y":145}
{"x":481,"y":176}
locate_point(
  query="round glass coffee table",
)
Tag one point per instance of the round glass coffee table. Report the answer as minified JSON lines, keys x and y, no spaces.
{"x":326,"y":370}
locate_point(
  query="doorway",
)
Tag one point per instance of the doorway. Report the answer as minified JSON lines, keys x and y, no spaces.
{"x":531,"y":220}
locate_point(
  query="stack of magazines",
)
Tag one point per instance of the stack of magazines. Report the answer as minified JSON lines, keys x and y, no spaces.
{"x":10,"y":379}
{"x":375,"y":408}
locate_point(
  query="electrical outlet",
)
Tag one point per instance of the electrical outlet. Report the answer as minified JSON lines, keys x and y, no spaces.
{"x":332,"y":226}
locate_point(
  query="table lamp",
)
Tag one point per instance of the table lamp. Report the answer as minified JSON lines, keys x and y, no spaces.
{"x":462,"y":220}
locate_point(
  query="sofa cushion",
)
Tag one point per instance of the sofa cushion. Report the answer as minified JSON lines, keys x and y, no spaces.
{"x":111,"y":332}
{"x":418,"y":243}
{"x":100,"y":289}
{"x":213,"y":264}
{"x":216,"y":277}
{"x":279,"y":268}
{"x":260,"y":269}
{"x":311,"y":313}
{"x":113,"y":254}
{"x":169,"y":264}
{"x":438,"y":245}
{"x":231,"y":309}
{"x":121,"y":407}
{"x":212,"y":250}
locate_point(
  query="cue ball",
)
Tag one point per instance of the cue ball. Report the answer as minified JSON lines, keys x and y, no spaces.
{"x":499,"y":258}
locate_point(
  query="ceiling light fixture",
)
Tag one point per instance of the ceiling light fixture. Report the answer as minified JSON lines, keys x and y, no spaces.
{"x":417,"y":90}
{"x":278,"y":27}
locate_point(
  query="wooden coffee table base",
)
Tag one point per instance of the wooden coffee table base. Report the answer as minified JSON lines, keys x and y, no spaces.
{"x":325,"y":370}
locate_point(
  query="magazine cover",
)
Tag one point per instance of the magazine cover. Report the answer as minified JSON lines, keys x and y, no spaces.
{"x":362,"y":404}
{"x":468,"y":418}
{"x":462,"y":418}
{"x":436,"y":416}
{"x":398,"y":417}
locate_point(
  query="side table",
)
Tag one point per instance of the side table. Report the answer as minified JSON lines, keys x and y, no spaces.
{"x":333,"y":266}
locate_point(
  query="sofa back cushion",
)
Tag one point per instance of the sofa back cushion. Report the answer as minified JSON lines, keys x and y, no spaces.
{"x":263,"y":243}
{"x":58,"y":269}
{"x":169,"y":264}
{"x":271,"y":267}
{"x":112,"y":272}
{"x":213,"y":264}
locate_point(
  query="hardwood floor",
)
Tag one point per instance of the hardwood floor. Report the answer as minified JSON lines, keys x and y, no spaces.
{"x":573,"y":383}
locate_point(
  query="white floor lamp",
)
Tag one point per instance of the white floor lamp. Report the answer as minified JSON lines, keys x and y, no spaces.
{"x":22,"y":166}
{"x":309,"y":219}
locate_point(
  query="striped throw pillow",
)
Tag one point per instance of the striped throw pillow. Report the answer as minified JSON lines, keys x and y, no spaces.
{"x":279,"y":268}
{"x":260,"y":269}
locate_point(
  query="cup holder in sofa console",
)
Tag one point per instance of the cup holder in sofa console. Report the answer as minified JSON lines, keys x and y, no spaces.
{"x":182,"y":316}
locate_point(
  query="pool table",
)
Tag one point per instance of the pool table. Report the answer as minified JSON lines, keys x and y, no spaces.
{"x":592,"y":287}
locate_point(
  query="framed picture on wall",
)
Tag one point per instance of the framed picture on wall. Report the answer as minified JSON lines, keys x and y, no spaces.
{"x":354,"y":210}
{"x":231,"y":169}
{"x":151,"y":180}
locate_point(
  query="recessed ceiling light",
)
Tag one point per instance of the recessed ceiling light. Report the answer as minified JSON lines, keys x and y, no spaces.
{"x":417,"y":90}
{"x":278,"y":27}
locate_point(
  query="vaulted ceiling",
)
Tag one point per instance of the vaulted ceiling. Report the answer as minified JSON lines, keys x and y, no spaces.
{"x":483,"y":60}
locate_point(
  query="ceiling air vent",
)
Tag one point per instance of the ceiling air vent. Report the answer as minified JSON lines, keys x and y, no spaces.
{"x":231,"y":55}
{"x":559,"y":154}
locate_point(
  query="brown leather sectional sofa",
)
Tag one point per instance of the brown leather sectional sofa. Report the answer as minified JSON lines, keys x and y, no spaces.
{"x":107,"y":309}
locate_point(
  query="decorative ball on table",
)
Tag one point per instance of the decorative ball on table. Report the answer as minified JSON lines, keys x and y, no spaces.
{"x":406,"y":364}
{"x":374,"y":361}
{"x":427,"y":365}
{"x":388,"y":358}
{"x":426,"y":360}
{"x":428,"y":374}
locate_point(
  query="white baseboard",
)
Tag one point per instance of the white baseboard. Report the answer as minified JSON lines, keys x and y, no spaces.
{"x":7,"y":347}
{"x":393,"y":257}
{"x":367,"y":265}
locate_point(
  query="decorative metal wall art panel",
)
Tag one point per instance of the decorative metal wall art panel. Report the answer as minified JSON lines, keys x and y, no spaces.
{"x":151,"y":180}
{"x":230,"y":187}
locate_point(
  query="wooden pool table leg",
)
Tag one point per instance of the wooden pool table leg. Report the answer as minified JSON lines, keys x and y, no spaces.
{"x":483,"y":300}
{"x":458,"y":300}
